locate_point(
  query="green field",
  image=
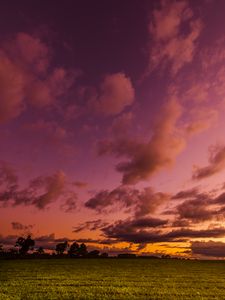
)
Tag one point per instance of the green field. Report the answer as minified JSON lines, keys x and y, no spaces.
{"x":112,"y":279}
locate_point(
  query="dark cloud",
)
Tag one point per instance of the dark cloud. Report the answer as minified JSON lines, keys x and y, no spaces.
{"x":70,"y":201}
{"x":186,"y":194}
{"x":97,"y":241}
{"x":140,"y":202}
{"x":210,"y":248}
{"x":147,"y":222}
{"x":90,"y":225}
{"x":181,"y":223}
{"x":8,"y":240}
{"x":196,"y":210}
{"x":19,"y":226}
{"x":220,"y":199}
{"x":125,"y":231}
{"x":216,"y":164}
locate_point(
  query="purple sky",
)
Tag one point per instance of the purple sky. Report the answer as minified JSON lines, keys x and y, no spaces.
{"x":112,"y":124}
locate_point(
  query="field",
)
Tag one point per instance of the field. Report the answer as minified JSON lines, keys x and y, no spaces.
{"x":112,"y":279}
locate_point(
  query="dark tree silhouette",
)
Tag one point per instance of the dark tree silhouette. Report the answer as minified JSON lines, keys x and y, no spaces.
{"x":104,"y":255}
{"x":61,"y":248}
{"x":94,"y":253}
{"x":74,"y":249}
{"x":82,"y":250}
{"x":40,"y":251}
{"x":25,"y":244}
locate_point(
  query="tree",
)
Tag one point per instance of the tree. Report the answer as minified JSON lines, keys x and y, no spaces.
{"x":94,"y":253}
{"x":40,"y":251}
{"x":25,"y":244}
{"x":74,"y":249}
{"x":82,"y":250}
{"x":61,"y":248}
{"x":104,"y":255}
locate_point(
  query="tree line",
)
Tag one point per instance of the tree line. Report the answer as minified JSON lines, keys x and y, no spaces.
{"x":25,"y":247}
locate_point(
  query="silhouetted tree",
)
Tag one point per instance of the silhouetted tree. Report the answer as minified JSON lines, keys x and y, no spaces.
{"x":166,"y":256}
{"x":126,"y":255}
{"x":74,"y":249}
{"x":104,"y":255}
{"x":40,"y":251}
{"x":82,"y":250}
{"x":25,"y":244}
{"x":94,"y":253}
{"x":61,"y":248}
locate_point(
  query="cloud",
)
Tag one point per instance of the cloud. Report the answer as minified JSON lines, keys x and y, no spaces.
{"x":171,"y":45}
{"x":125,"y":233}
{"x":141,"y":203}
{"x":115,"y":94}
{"x":149,"y":201}
{"x":53,"y":187}
{"x":20,"y":226}
{"x":8,"y":240}
{"x":50,"y":129}
{"x":147,"y":158}
{"x":90,"y":225}
{"x":210,"y":248}
{"x":39,"y":192}
{"x":122,"y":124}
{"x":80,"y":184}
{"x":216,"y":164}
{"x":196,"y":210}
{"x":70,"y":202}
{"x":202,"y":118}
{"x":186,"y":194}
{"x":26,"y":77}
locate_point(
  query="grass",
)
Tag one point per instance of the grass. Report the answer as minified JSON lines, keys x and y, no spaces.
{"x":112,"y":279}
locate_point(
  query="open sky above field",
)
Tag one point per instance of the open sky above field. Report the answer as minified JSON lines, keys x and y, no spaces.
{"x":112,"y":124}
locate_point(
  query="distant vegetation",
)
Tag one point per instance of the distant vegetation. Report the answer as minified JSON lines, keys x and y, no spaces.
{"x":25,"y":248}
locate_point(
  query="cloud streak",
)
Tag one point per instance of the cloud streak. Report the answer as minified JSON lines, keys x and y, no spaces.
{"x":216,"y":164}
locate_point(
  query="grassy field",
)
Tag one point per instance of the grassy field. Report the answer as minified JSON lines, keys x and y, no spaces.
{"x":112,"y":279}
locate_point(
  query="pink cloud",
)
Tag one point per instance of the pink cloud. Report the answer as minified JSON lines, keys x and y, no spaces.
{"x":171,"y":46}
{"x":216,"y":164}
{"x":12,"y":81}
{"x":50,"y":129}
{"x":39,"y":192}
{"x":23,"y":62}
{"x":147,"y":158}
{"x":115,"y":93}
{"x":140,"y":202}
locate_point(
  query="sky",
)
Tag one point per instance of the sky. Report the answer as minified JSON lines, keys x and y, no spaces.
{"x":112,"y":125}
